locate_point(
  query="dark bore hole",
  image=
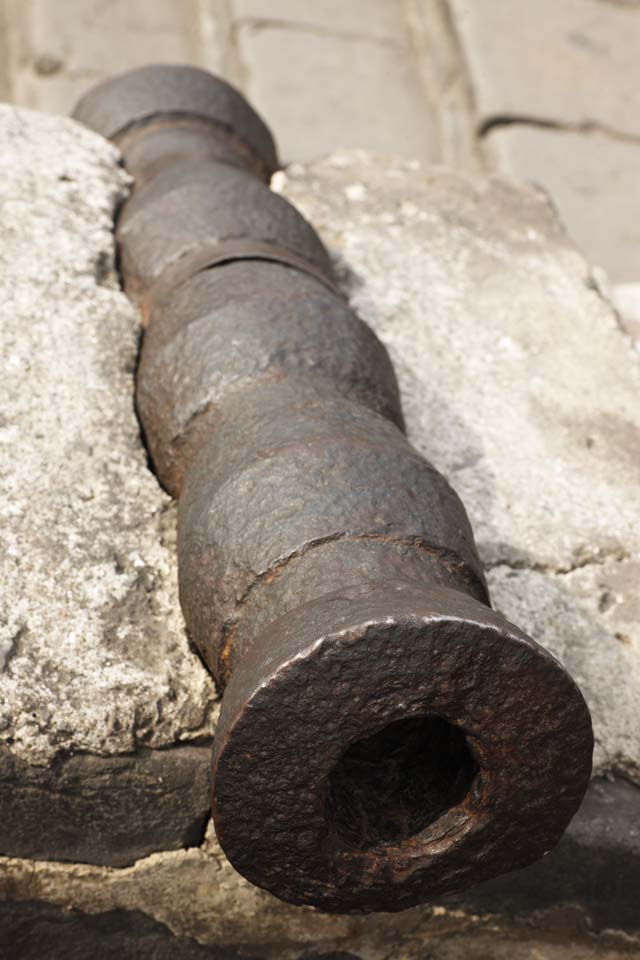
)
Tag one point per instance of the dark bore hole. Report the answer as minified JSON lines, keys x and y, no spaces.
{"x":390,"y":786}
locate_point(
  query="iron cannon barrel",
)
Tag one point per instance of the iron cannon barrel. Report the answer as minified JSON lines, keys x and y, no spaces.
{"x":171,"y":96}
{"x":189,"y":208}
{"x":385,"y":736}
{"x":256,"y":321}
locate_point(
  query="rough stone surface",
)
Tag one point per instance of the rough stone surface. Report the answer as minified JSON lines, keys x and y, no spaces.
{"x":519,"y":385}
{"x":574,"y":62}
{"x":94,"y":654}
{"x":593,"y":179}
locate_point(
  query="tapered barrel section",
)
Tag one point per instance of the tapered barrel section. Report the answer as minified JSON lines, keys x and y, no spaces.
{"x":261,"y":323}
{"x":385,"y":736}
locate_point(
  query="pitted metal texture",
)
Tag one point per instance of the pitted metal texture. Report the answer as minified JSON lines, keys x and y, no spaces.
{"x":190,"y":207}
{"x":177,"y":93}
{"x":385,"y":736}
{"x":157,"y":144}
{"x":261,"y":321}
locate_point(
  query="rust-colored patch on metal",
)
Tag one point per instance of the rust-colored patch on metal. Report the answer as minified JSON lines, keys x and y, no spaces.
{"x":385,"y":736}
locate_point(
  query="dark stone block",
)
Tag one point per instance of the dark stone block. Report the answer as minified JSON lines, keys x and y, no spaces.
{"x":104,"y":810}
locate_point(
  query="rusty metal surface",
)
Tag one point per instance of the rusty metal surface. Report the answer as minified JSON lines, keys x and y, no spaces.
{"x":320,"y":468}
{"x":216,"y":254}
{"x":385,"y":736}
{"x":246,"y":324}
{"x":189,"y":207}
{"x":411,"y":812}
{"x":166,"y":91}
{"x":149,"y":148}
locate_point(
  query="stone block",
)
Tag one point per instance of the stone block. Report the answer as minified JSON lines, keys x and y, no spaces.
{"x":593,"y":179}
{"x":573,"y":62}
{"x":34,"y":930}
{"x":322,"y":90}
{"x":95,"y":660}
{"x":106,"y":810}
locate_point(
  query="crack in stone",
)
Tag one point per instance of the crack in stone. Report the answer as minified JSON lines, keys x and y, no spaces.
{"x":299,"y":26}
{"x":11,"y":647}
{"x":598,"y":559}
{"x":499,"y":121}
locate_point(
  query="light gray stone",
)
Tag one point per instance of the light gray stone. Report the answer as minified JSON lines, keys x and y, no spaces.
{"x":574,"y":62}
{"x":373,"y":19}
{"x":594,"y":181}
{"x":446,"y":82}
{"x":626,"y":298}
{"x":5,"y":63}
{"x":95,"y":657}
{"x":589,"y":619}
{"x":519,"y":385}
{"x":321,"y":90}
{"x":60,"y":49}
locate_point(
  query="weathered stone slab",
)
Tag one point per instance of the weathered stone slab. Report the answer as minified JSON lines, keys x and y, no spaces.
{"x":573,"y":62}
{"x":519,"y":385}
{"x":593,"y":179}
{"x":352,"y":78}
{"x":108,"y":810}
{"x":95,"y":659}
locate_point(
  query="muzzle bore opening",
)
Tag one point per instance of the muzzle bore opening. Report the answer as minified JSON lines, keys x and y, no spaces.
{"x":390,"y":786}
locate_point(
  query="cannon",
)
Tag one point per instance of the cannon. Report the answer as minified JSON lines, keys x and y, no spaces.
{"x":385,"y":737}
